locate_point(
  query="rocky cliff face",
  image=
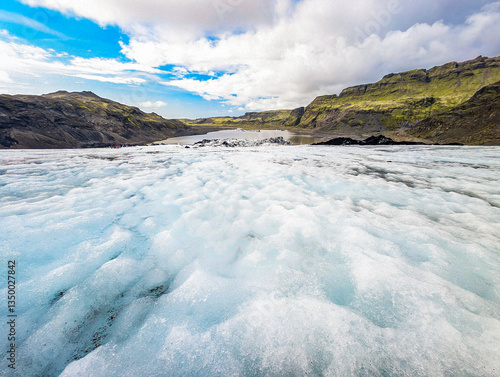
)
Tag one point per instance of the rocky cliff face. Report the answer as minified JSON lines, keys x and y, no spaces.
{"x":400,"y":100}
{"x":474,"y":122}
{"x":76,"y":120}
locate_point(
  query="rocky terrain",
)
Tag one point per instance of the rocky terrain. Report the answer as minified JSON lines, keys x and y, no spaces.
{"x":231,"y":143}
{"x":474,"y":122}
{"x":402,"y":105}
{"x":452,"y":103}
{"x":78,"y":120}
{"x":372,"y":140}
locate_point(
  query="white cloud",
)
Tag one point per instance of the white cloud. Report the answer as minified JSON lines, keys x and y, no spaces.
{"x":289,"y":64}
{"x":4,"y":77}
{"x":29,"y":24}
{"x":153,"y":105}
{"x":109,"y":66}
{"x":23,"y":59}
{"x":114,"y":80}
{"x":169,"y":19}
{"x":180,"y":71}
{"x":265,"y":54}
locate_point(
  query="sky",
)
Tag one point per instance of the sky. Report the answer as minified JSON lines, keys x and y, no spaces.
{"x":199,"y":58}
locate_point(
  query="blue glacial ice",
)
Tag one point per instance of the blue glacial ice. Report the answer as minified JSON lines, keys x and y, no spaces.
{"x":270,"y":261}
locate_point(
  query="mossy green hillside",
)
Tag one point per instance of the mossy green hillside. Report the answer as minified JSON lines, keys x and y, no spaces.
{"x":474,"y":122}
{"x":403,"y":97}
{"x":396,"y":102}
{"x":253,"y":120}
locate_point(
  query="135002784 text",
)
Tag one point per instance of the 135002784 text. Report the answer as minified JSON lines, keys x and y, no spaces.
{"x":11,"y":316}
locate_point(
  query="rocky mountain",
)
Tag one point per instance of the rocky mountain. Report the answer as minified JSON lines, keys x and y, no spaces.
{"x":391,"y":106}
{"x":257,"y":120}
{"x":78,"y":120}
{"x":474,"y":122}
{"x":452,"y":103}
{"x":400,"y":100}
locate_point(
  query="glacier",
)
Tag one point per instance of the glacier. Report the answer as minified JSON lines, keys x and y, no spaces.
{"x":259,"y":261}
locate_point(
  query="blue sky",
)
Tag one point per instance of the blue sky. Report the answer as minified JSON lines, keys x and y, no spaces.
{"x":196,"y":58}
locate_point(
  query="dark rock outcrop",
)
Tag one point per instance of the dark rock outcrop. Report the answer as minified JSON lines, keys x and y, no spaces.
{"x":372,"y":140}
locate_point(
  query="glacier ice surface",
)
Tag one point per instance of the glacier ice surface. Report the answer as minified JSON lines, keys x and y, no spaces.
{"x":272,"y":261}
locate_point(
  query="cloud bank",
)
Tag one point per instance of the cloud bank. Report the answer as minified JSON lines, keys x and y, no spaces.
{"x":268,"y":54}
